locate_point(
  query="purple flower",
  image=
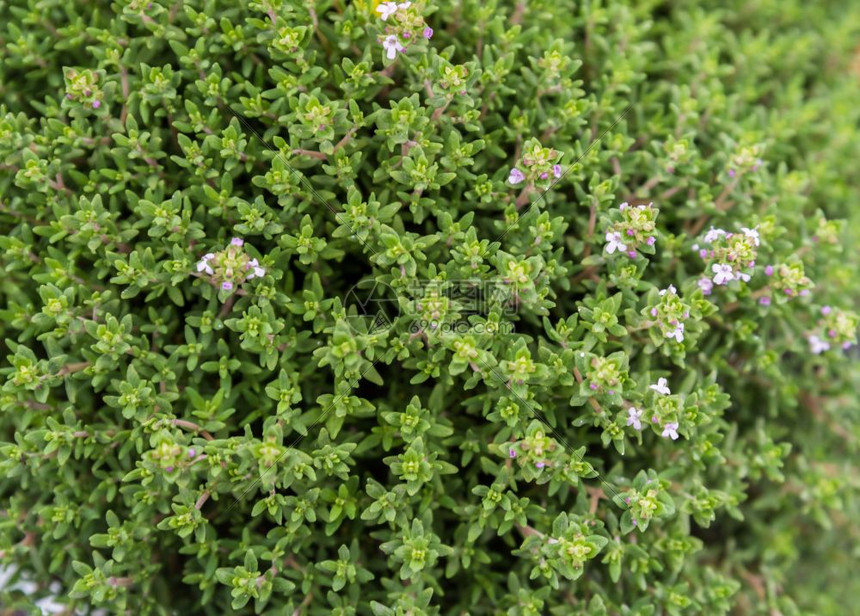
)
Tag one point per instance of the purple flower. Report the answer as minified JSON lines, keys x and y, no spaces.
{"x":847,"y":345}
{"x":670,"y":430}
{"x":237,"y":241}
{"x":540,"y":464}
{"x":191,"y":453}
{"x":653,"y":312}
{"x":544,"y":175}
{"x":512,"y":453}
{"x":832,"y":333}
{"x":634,"y":418}
{"x":825,"y":310}
{"x":630,"y":232}
{"x":764,"y":301}
{"x":556,"y":171}
{"x":631,"y":254}
{"x":651,"y":241}
{"x":731,"y":173}
{"x":69,"y":96}
{"x":97,"y":104}
{"x":516,"y":176}
{"x":593,"y":386}
{"x":169,"y":469}
{"x":428,"y":32}
{"x":407,"y":35}
{"x":768,"y":271}
{"x":226,"y":286}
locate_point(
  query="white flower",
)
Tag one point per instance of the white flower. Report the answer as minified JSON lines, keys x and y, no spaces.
{"x":713,"y":235}
{"x":404,"y":5}
{"x":203,"y":264}
{"x":392,"y":45}
{"x":678,"y":333}
{"x":623,"y":206}
{"x":742,"y":276}
{"x":706,"y":285}
{"x":817,"y":345}
{"x":386,"y":10}
{"x":752,"y":234}
{"x":613,"y":239}
{"x":258,"y":272}
{"x":670,"y":430}
{"x":634,"y":418}
{"x":722,"y":273}
{"x":670,"y":289}
{"x":661,"y":387}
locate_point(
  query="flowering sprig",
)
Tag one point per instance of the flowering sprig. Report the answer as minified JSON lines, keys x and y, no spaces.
{"x":231,"y":267}
{"x":835,"y":329}
{"x":669,"y":313}
{"x":404,"y":25}
{"x":727,"y":256}
{"x":746,"y":159}
{"x":632,"y":230}
{"x":83,"y":87}
{"x":537,"y":166}
{"x":790,"y":280}
{"x":646,"y":500}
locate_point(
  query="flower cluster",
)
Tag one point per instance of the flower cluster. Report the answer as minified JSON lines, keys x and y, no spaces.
{"x":538,"y":163}
{"x":404,"y":25}
{"x":230,"y":267}
{"x":666,"y":406}
{"x":669,"y":314}
{"x":632,"y":229}
{"x":789,"y":279}
{"x":82,"y":86}
{"x":835,"y":329}
{"x":727,"y":256}
{"x":746,"y":159}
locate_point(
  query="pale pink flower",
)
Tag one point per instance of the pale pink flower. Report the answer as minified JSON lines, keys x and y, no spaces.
{"x":613,"y":242}
{"x":516,"y":176}
{"x":677,"y":333}
{"x":722,"y":273}
{"x":634,"y":418}
{"x":386,"y":10}
{"x":817,"y":345}
{"x":556,"y":171}
{"x":203,"y":264}
{"x":392,"y":45}
{"x":237,"y":241}
{"x":706,"y":285}
{"x":661,"y":387}
{"x":670,"y":430}
{"x":258,"y":272}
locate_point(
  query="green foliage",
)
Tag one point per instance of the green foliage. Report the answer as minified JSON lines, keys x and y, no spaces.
{"x":485,"y":307}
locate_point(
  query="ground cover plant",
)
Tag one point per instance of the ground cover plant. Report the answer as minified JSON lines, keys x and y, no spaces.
{"x":329,"y":307}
